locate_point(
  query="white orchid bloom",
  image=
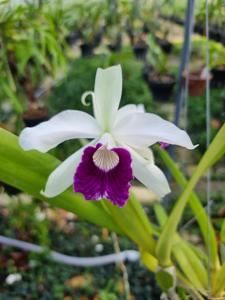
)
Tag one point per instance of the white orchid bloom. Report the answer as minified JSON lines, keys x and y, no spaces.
{"x":119,"y":150}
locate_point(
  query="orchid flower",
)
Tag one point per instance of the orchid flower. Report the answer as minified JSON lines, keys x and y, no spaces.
{"x":119,"y":150}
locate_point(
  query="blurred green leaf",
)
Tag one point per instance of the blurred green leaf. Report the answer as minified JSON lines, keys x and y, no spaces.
{"x":196,"y":207}
{"x":29,"y":170}
{"x":219,"y":283}
{"x":212,"y":155}
{"x":134,"y":223}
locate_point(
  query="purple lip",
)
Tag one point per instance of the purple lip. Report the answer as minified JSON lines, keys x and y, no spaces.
{"x":95,"y":183}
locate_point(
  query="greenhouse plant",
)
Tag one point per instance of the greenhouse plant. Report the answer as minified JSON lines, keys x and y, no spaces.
{"x":111,"y":169}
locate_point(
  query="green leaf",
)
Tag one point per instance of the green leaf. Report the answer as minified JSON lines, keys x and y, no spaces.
{"x":196,"y":207}
{"x":191,"y":265}
{"x":149,"y":261}
{"x":214,"y":152}
{"x":12,"y":97}
{"x":188,"y":269}
{"x":222,"y":232}
{"x":219,"y":283}
{"x":134,"y":223}
{"x":29,"y":170}
{"x":160,"y":214}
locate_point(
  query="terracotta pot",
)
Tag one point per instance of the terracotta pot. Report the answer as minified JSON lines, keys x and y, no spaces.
{"x":35,"y":116}
{"x":161,"y":86}
{"x":196,"y":84}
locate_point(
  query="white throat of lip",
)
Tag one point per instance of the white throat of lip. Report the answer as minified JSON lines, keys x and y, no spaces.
{"x":105,"y":159}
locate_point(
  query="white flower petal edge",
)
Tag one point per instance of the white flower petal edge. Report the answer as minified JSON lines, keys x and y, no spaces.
{"x":107,"y":94}
{"x":62,"y":177}
{"x":127,"y":110}
{"x":142,"y":130}
{"x":69,"y":124}
{"x":149,"y":174}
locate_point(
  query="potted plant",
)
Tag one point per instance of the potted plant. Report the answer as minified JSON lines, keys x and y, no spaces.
{"x":140,"y":46}
{"x":114,"y":25}
{"x":160,"y":82}
{"x":91,"y":26}
{"x":196,"y":81}
{"x":217,"y":64}
{"x":29,"y":55}
{"x":115,"y":37}
{"x":163,"y":41}
{"x":138,"y":38}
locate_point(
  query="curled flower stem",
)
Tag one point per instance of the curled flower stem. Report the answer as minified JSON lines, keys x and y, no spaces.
{"x":85,"y":95}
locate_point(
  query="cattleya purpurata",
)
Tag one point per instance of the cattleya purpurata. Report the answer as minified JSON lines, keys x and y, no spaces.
{"x":119,"y":149}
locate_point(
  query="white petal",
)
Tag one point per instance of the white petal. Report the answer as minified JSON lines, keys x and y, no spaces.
{"x":145,"y":129}
{"x":66,"y":125}
{"x":149,"y":174}
{"x":107,"y":140}
{"x":108,"y":90}
{"x":62,"y":177}
{"x":127,"y":110}
{"x":146,"y":153}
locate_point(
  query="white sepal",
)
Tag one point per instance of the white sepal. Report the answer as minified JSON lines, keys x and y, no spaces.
{"x":69,"y":124}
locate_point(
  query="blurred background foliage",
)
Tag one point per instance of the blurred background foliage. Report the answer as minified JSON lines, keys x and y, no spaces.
{"x":49,"y":53}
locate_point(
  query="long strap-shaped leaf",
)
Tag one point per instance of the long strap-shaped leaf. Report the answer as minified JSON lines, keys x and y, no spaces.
{"x":186,"y":256}
{"x":29,"y":170}
{"x":134,"y":223}
{"x":214,"y":153}
{"x":196,"y":207}
{"x":219,"y":283}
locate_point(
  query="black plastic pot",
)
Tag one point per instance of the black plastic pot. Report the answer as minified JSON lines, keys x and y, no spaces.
{"x":35,"y":116}
{"x":73,"y":37}
{"x":140,"y":51}
{"x":117,"y":45}
{"x":199,"y":28}
{"x":161,"y":90}
{"x":223,"y":39}
{"x":114,"y":47}
{"x":98,"y":37}
{"x":10,"y":189}
{"x":86,"y":49}
{"x":147,"y":69}
{"x":165,"y":45}
{"x":146,"y":28}
{"x":177,"y":20}
{"x":218,"y":79}
{"x":215,"y":34}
